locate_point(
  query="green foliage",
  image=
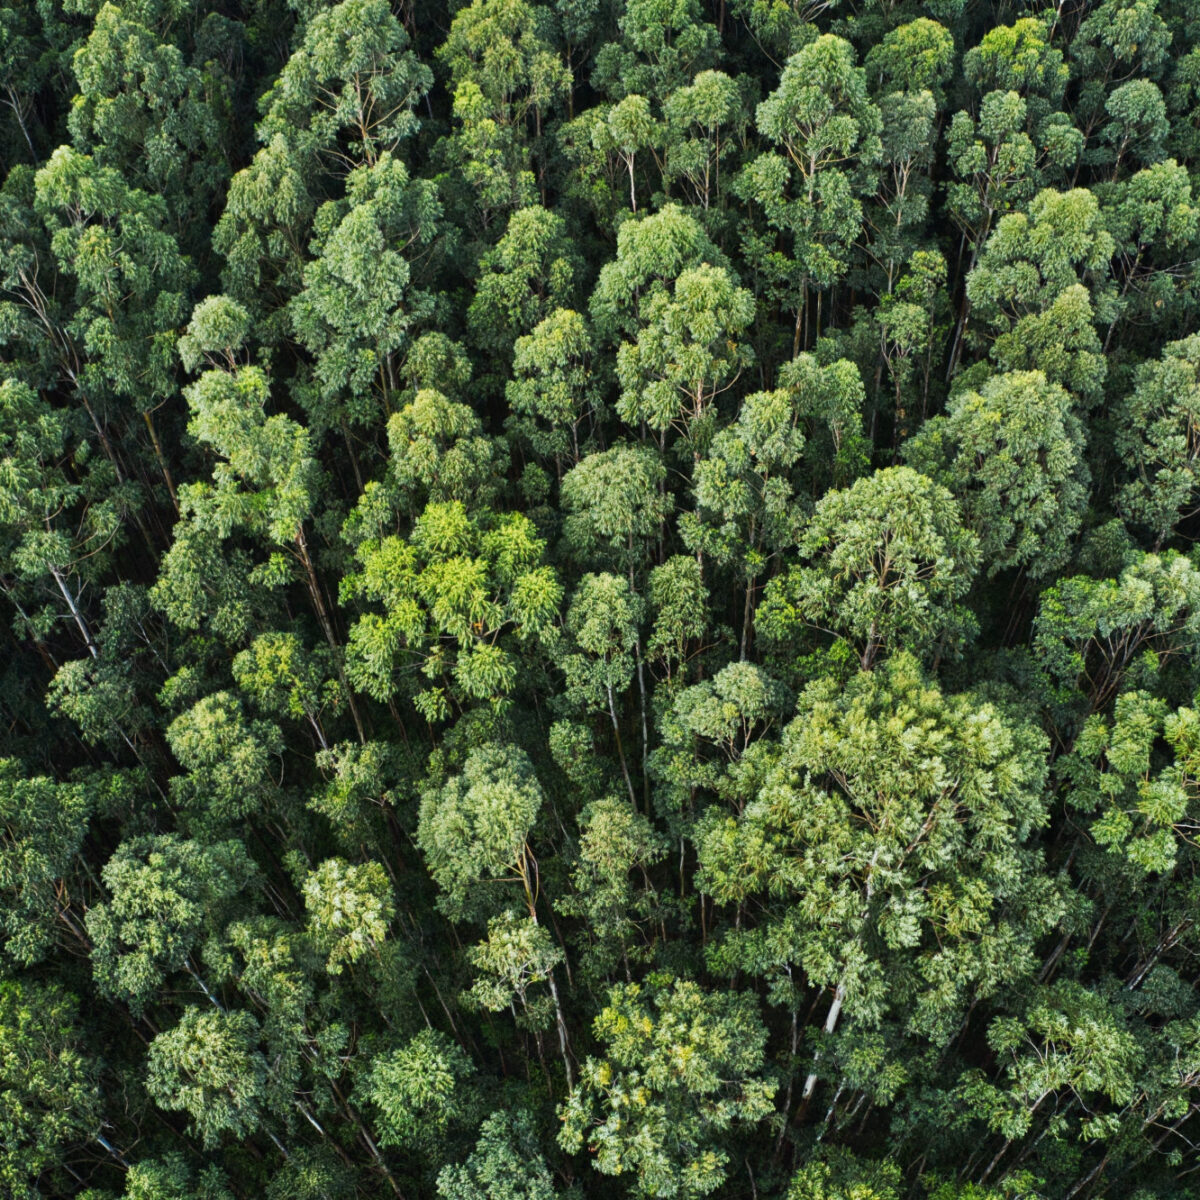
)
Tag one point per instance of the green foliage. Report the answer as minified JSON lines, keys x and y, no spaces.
{"x":50,"y":1099}
{"x":893,"y":830}
{"x":1156,"y":437}
{"x":517,"y":954}
{"x":885,"y":561}
{"x":357,"y":304}
{"x":228,"y":759}
{"x":474,"y":828}
{"x":165,"y":894}
{"x":349,"y":908}
{"x":506,"y":1164}
{"x":460,"y":597}
{"x":413,"y":1089}
{"x":1012,"y":455}
{"x":667,"y":1045}
{"x":208,"y":1066}
{"x":44,"y":824}
{"x":615,"y":504}
{"x":619,"y":569}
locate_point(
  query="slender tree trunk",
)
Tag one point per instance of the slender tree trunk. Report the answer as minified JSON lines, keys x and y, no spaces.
{"x":831,"y":1020}
{"x":612,"y":712}
{"x":318,"y":600}
{"x":162,"y":462}
{"x":82,"y":625}
{"x":561,"y":1024}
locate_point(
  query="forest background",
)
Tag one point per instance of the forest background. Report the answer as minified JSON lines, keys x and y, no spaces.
{"x":599,"y":599}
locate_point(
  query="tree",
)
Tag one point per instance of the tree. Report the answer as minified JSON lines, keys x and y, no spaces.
{"x":349,"y":909}
{"x":917,"y":56}
{"x":714,"y":741}
{"x":687,"y":353}
{"x":682,"y":1067}
{"x":1092,"y":635}
{"x":506,"y":77}
{"x":1154,"y":221}
{"x":164,"y":895}
{"x":130,"y":288}
{"x":629,"y":127}
{"x":414,"y":1090}
{"x":43,"y":824}
{"x":747,"y":507}
{"x":1019,"y":58}
{"x":616,"y":505}
{"x":228,"y":760}
{"x":506,"y":1164}
{"x":884,"y":562}
{"x":1141,"y":807}
{"x":460,"y":597}
{"x":602,"y":628}
{"x":705,"y":122}
{"x":286,"y":680}
{"x":1030,"y":290}
{"x":439,"y":453}
{"x":351,"y":88}
{"x":159,"y":120}
{"x":895,"y":823}
{"x":1067,"y":1045}
{"x":475,"y":828}
{"x":516,"y":954}
{"x":209,"y":1067}
{"x":523,"y":279}
{"x":267,"y":484}
{"x":809,"y":192}
{"x":50,"y":1099}
{"x":1012,"y":455}
{"x":652,"y":252}
{"x":840,"y":1175}
{"x":555,"y":394}
{"x":57,"y":531}
{"x":615,"y":841}
{"x":678,"y":602}
{"x":1158,"y":438}
{"x":664,"y":45}
{"x":357,"y":304}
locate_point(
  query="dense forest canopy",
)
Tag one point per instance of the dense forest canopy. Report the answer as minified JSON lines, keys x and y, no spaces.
{"x":600,"y":599}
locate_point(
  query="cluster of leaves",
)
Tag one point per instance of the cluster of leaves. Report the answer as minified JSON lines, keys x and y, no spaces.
{"x":600,"y":599}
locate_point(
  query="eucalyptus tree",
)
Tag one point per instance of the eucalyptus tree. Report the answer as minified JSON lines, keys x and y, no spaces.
{"x":748,"y":510}
{"x":209,"y":1067}
{"x":44,"y":824}
{"x":1157,"y":439}
{"x":158,"y":119}
{"x":165,"y":895}
{"x":894,"y":839}
{"x":464,"y":599}
{"x":1039,"y":286}
{"x":555,"y":392}
{"x":51,"y":1101}
{"x":358,"y":303}
{"x":506,"y":1164}
{"x":1012,"y":454}
{"x":882,"y":565}
{"x":506,"y":78}
{"x":475,"y":830}
{"x":688,"y":351}
{"x":531,"y":272}
{"x":810,"y":189}
{"x":267,"y":482}
{"x":1155,"y":222}
{"x":681,"y":1067}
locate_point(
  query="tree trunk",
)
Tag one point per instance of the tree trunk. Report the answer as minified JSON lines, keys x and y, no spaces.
{"x":318,"y":601}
